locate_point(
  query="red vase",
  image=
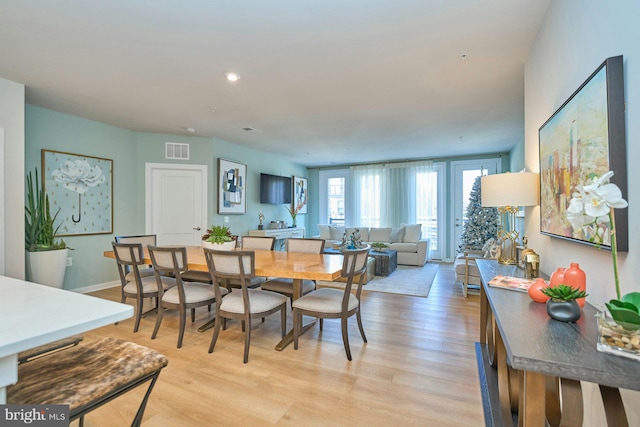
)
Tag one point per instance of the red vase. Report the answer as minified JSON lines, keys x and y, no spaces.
{"x":535,"y":290}
{"x":557,"y":277}
{"x":575,"y":277}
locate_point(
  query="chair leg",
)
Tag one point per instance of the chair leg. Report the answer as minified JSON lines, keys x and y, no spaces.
{"x":139,"y":301}
{"x":359,"y":318}
{"x":183,"y":320}
{"x":321,"y":323}
{"x":158,"y":322}
{"x":193,"y":315}
{"x":345,"y":337}
{"x":216,"y":332}
{"x":247,"y":339}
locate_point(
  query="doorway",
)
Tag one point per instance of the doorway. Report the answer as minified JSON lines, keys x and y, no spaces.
{"x":176,"y":203}
{"x":463,"y":175}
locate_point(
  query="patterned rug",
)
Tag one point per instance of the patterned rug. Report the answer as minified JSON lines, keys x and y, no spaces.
{"x":404,"y":280}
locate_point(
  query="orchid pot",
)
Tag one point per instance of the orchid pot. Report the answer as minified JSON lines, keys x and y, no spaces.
{"x":614,"y":339}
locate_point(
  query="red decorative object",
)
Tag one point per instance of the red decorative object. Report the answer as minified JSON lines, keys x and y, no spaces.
{"x":557,"y":277}
{"x":535,"y":290}
{"x":575,"y":277}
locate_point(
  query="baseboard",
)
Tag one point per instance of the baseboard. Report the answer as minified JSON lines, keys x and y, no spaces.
{"x":97,"y":287}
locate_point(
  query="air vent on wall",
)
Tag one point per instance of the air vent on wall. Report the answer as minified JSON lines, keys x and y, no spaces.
{"x":176,"y":151}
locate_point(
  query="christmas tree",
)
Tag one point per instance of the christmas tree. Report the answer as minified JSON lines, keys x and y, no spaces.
{"x":481,"y":223}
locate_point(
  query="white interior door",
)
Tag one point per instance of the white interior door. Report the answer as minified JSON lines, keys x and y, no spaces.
{"x":463,"y":175}
{"x":176,"y":203}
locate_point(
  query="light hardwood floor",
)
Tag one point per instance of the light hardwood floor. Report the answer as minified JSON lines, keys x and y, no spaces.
{"x":418,"y":368}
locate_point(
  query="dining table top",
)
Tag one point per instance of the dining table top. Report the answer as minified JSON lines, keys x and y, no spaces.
{"x":294,"y":265}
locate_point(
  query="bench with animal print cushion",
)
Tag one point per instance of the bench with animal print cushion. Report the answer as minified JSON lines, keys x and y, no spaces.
{"x":87,"y":376}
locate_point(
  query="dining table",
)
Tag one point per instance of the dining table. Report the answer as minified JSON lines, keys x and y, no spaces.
{"x":32,"y":315}
{"x":292,"y":265}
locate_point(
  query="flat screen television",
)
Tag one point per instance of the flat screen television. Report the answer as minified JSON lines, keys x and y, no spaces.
{"x":275,"y":189}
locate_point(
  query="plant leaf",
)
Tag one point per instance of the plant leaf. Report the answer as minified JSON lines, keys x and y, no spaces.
{"x":623,"y":304}
{"x":625,"y":317}
{"x":632,"y":298}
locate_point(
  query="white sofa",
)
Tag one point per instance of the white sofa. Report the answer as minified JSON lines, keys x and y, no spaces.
{"x":406,"y":240}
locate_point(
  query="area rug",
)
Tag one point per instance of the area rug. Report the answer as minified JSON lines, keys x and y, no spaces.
{"x":404,"y":280}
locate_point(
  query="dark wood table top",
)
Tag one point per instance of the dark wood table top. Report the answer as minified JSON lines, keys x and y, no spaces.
{"x":535,"y":342}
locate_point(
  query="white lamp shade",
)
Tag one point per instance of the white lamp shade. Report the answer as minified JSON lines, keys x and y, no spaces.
{"x":510,"y":189}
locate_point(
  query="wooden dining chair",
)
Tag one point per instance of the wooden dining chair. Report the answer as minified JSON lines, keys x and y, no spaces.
{"x":185,"y":295}
{"x":284,"y":285}
{"x":331,"y":303}
{"x":263,"y":243}
{"x":145,"y":240}
{"x":244,"y":304}
{"x":129,"y":258}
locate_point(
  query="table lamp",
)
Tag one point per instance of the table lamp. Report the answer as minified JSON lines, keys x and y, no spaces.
{"x":507,"y":192}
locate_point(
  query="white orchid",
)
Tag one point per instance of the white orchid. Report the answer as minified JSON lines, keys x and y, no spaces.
{"x":590,"y":212}
{"x":590,"y":208}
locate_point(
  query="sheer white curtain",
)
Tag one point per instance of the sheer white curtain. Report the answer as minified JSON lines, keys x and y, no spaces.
{"x":385,"y":195}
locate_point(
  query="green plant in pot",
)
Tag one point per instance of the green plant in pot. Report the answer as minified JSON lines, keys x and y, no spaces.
{"x":591,"y":210}
{"x":562,"y":304}
{"x":379,"y":246}
{"x":46,"y":256}
{"x":218,"y":235}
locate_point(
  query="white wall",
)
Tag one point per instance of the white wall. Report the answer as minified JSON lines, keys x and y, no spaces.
{"x":574,"y":39}
{"x":12,"y":120}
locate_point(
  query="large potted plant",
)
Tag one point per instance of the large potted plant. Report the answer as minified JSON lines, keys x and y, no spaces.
{"x":219,"y":237}
{"x":46,"y":257}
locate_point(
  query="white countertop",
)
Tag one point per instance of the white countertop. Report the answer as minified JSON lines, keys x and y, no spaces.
{"x":33,"y":315}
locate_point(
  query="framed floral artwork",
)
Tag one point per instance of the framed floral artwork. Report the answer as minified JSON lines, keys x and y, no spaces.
{"x":80,"y":189}
{"x":584,"y":138}
{"x":232,"y":191}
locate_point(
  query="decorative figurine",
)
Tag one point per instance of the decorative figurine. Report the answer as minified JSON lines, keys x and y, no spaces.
{"x":261,"y":218}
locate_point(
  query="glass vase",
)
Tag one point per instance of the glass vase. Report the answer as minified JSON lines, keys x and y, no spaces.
{"x":614,"y":339}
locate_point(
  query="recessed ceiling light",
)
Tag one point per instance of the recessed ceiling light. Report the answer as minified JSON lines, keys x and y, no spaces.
{"x":232,"y":77}
{"x":464,"y":57}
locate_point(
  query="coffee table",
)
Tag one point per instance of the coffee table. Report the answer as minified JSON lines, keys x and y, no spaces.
{"x":386,"y":262}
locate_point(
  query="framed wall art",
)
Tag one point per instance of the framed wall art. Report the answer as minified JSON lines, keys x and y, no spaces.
{"x":232,"y":192}
{"x":81,"y":187}
{"x":300,"y":193}
{"x":585,"y":137}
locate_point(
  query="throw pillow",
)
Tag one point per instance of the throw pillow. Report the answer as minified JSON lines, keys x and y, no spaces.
{"x":325,"y":234}
{"x":379,"y":234}
{"x":412,"y":232}
{"x":397,"y":234}
{"x":336,"y":232}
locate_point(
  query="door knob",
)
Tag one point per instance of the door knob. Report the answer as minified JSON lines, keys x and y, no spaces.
{"x":197,"y":228}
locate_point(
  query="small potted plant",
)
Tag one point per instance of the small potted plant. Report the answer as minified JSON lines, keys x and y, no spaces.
{"x":219,"y":237}
{"x":562,"y":304}
{"x":379,"y":246}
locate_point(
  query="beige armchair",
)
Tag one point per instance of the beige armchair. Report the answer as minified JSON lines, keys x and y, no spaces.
{"x":465,"y":265}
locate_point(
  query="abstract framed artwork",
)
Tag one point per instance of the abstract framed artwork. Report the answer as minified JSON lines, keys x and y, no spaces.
{"x":585,"y":137}
{"x":300,"y":194}
{"x":81,"y":188}
{"x":232,"y":192}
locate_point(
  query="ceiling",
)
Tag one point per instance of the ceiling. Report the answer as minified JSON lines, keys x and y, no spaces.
{"x":322,"y":82}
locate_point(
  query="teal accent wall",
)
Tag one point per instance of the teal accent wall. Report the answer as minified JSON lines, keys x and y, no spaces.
{"x":129,"y":150}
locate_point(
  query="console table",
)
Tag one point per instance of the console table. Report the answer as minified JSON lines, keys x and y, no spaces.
{"x":281,"y":234}
{"x":526,"y":360}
